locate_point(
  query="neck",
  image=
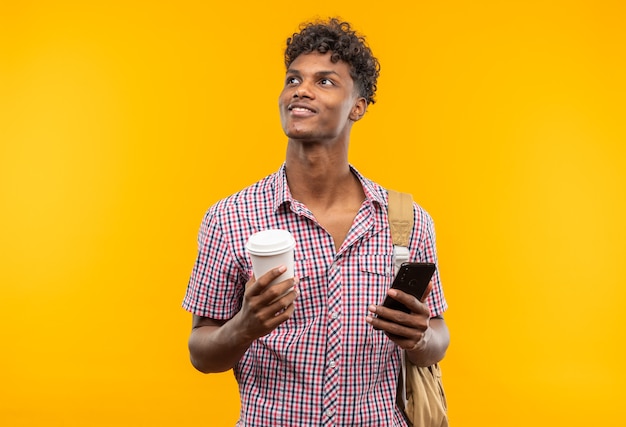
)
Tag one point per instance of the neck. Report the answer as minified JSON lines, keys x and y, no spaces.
{"x":318,"y":176}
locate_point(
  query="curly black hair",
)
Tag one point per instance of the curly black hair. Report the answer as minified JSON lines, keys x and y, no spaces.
{"x":345,"y":44}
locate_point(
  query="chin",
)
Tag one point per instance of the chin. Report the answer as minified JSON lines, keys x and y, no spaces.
{"x":299,"y":134}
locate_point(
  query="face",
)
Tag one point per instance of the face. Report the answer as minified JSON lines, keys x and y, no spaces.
{"x":318,"y":101}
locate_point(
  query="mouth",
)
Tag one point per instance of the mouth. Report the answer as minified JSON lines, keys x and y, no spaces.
{"x":301,"y":109}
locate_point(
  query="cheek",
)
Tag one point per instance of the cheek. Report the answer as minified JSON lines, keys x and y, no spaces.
{"x":283,"y":114}
{"x":282,"y":106}
{"x":283,"y":101}
{"x":285,"y":95}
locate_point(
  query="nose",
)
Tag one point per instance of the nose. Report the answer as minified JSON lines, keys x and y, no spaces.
{"x":303,"y":91}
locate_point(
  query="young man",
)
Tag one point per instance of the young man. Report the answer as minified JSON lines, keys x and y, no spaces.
{"x":325,"y":353}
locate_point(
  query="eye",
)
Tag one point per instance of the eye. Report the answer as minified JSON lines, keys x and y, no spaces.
{"x":290,"y":81}
{"x":327,"y":82}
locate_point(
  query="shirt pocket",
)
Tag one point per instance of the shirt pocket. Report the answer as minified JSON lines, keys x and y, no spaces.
{"x":376,"y":272}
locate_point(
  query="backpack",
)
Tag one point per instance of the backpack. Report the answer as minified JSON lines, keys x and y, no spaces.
{"x":420,"y":391}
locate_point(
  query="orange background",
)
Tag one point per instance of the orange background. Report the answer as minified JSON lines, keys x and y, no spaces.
{"x":121,"y":122}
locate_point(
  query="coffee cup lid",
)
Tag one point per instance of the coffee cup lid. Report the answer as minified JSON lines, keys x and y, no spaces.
{"x":270,"y":242}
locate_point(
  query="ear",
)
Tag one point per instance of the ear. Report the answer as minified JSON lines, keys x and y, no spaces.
{"x":358,"y":109}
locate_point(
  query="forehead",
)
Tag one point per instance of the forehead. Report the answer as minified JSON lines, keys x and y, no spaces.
{"x":315,"y":62}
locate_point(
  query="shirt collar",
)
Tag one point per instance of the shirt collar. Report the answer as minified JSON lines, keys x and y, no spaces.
{"x":373,"y":192}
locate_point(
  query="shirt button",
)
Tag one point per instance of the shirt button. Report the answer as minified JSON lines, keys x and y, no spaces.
{"x":332,"y":364}
{"x":334,"y":315}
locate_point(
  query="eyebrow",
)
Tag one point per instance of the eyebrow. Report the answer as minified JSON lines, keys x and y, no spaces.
{"x":322,"y":73}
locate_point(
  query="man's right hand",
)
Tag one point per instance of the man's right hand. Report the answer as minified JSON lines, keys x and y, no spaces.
{"x":264,"y":306}
{"x":217,"y":345}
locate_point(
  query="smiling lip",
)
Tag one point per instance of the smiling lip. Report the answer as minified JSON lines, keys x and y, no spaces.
{"x":300,"y":109}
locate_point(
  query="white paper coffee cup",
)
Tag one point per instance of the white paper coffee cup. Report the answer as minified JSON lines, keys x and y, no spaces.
{"x":269,"y":249}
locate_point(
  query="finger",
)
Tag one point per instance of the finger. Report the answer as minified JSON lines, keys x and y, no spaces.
{"x":270,"y":318}
{"x":283,"y":315}
{"x":412,"y":303}
{"x":389,"y":314}
{"x":284,"y":300}
{"x":258,"y":286}
{"x":274,"y":292}
{"x":396,"y":331}
{"x":280,"y":309}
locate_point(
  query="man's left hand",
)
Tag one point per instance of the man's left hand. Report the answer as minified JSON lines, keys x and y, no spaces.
{"x":410,"y":331}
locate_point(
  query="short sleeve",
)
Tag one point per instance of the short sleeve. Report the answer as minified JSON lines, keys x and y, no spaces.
{"x":424,"y":249}
{"x":216,"y":287}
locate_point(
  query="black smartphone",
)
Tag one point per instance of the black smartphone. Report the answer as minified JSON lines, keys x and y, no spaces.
{"x":412,"y":278}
